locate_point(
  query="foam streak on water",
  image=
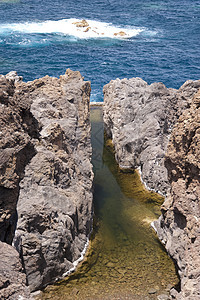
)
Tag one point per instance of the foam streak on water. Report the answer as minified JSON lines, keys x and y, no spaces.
{"x":76,"y":262}
{"x":94,"y":29}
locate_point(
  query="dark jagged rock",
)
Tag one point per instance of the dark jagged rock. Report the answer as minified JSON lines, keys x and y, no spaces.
{"x":16,"y":150}
{"x":179,"y":224}
{"x":139,"y":119}
{"x":12,"y":276}
{"x":45,"y":169}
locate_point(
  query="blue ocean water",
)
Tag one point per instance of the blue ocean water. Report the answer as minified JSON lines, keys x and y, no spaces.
{"x":38,"y":38}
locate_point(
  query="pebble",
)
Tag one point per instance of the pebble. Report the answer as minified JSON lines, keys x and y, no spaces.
{"x":74,"y":291}
{"x":110,"y":265}
{"x":163,"y":297}
{"x":169,"y":287}
{"x":152,"y":291}
{"x":37,"y":293}
{"x":121,"y":271}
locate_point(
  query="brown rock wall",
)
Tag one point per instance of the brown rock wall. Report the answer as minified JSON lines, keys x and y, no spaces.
{"x":179,"y":225}
{"x":45,"y":172}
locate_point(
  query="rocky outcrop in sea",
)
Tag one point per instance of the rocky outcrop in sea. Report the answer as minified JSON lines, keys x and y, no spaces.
{"x":139,"y":118}
{"x":179,"y":225}
{"x":45,"y":173}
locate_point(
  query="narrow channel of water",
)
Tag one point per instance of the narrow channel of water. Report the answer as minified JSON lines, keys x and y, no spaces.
{"x":125,"y":259}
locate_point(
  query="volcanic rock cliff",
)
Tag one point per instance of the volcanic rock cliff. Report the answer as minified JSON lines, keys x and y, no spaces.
{"x":45,"y":172}
{"x":139,"y":118}
{"x":179,"y":225}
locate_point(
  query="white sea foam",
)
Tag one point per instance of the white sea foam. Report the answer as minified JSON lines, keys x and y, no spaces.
{"x":76,"y":262}
{"x":94,"y":29}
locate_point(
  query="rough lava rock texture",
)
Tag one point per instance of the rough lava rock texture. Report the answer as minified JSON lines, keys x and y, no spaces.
{"x":179,"y":225}
{"x":16,"y":132}
{"x":45,"y":172}
{"x":12,"y":276}
{"x":139,"y":118}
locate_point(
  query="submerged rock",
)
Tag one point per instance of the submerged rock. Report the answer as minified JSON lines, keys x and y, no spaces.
{"x":139,"y":118}
{"x":45,"y":169}
{"x":121,"y":33}
{"x":152,"y":291}
{"x":179,"y":225}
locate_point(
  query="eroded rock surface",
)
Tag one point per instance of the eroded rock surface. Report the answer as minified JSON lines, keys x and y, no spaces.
{"x":139,"y":118}
{"x":12,"y":276}
{"x":45,"y":168}
{"x":17,"y":127}
{"x":179,"y":225}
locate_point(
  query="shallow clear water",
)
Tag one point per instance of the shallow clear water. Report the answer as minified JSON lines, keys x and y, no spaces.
{"x":164,"y":47}
{"x":125,"y":259}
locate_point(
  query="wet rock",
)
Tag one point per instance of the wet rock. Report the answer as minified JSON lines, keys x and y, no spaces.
{"x":121,"y":33}
{"x":121,"y":271}
{"x":87,"y":29}
{"x":152,"y":291}
{"x":82,"y":23}
{"x":179,"y":225}
{"x":74,"y":292}
{"x":13,"y":76}
{"x":110,"y":265}
{"x":169,"y":287}
{"x":174,"y":293}
{"x":36,"y":294}
{"x":163,"y":297}
{"x":139,"y":118}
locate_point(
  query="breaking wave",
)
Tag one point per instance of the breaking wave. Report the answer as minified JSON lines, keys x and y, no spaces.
{"x":82,"y":29}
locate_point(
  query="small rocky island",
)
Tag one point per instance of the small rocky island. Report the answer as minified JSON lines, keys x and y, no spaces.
{"x":144,"y":122}
{"x":45,"y":179}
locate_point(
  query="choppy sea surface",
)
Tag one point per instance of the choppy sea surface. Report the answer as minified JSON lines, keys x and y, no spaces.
{"x":161,"y":41}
